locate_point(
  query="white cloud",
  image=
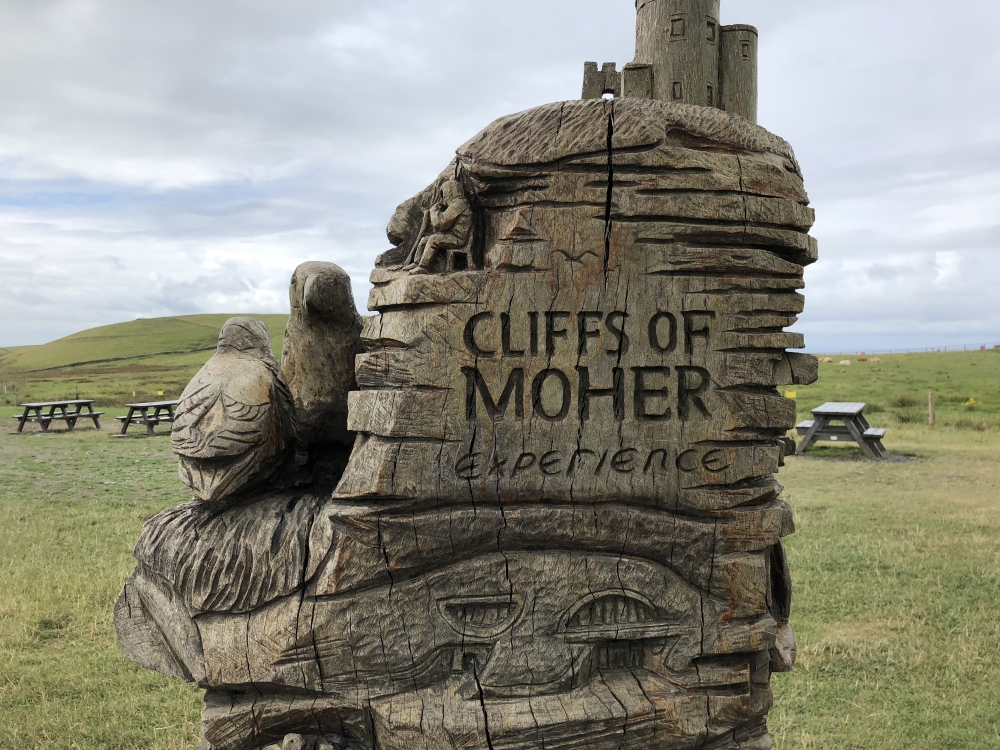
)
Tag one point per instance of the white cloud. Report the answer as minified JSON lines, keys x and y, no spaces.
{"x":167,"y":157}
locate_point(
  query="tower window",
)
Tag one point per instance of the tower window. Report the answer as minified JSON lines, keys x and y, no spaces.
{"x":678,"y":90}
{"x":676,"y":27}
{"x":711,"y":97}
{"x":713,"y":30}
{"x":746,"y":50}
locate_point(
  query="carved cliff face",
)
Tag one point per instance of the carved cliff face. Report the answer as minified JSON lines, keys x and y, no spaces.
{"x":625,"y":338}
{"x":560,"y":525}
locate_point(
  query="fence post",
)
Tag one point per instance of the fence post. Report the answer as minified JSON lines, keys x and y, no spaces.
{"x":932,"y":408}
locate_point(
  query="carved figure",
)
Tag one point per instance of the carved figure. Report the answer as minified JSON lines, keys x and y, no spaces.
{"x":322,"y":339}
{"x":451,"y":221}
{"x":234,"y":425}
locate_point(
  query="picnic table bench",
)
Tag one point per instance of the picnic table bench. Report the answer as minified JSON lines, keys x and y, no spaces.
{"x":150,"y":414}
{"x":853,"y":427}
{"x":59,"y":411}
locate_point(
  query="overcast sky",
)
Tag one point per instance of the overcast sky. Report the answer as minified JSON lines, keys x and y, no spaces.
{"x":165,"y":157}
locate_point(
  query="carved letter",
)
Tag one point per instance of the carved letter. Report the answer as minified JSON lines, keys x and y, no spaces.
{"x":470,"y":335}
{"x":505,"y":337}
{"x":654,"y":333}
{"x":642,"y":393}
{"x":713,"y":461}
{"x":468,"y":467}
{"x":515,"y":387}
{"x":649,"y":462}
{"x":616,"y":391}
{"x":585,"y":332}
{"x":618,"y":331}
{"x":578,"y":454}
{"x":524,"y":462}
{"x":686,"y":395}
{"x":623,"y":461}
{"x":536,"y":394}
{"x":688,"y":461}
{"x":552,"y":333}
{"x":690,"y":332}
{"x":549,"y":460}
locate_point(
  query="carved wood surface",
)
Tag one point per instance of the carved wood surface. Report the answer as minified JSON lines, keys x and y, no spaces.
{"x":560,"y":524}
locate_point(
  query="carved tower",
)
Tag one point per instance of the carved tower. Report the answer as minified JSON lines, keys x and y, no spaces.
{"x":684,"y":56}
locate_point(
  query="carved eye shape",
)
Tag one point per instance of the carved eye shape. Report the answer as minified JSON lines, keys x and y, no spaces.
{"x":611,"y":611}
{"x":617,"y":615}
{"x":480,"y":617}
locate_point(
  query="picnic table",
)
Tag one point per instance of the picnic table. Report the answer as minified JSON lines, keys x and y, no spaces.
{"x":150,"y":414}
{"x":853,"y":427}
{"x":59,"y":411}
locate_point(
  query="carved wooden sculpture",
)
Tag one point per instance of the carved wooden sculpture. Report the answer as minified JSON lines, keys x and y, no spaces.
{"x":559,"y":526}
{"x":317,"y":359}
{"x":234,"y":422}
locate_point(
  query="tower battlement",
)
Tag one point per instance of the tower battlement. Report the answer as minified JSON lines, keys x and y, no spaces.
{"x":684,"y":55}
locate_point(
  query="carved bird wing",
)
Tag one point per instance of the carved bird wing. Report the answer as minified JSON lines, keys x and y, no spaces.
{"x":231,"y":422}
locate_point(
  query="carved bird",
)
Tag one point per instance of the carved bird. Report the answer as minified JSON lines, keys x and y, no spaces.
{"x":322,"y":339}
{"x":234,"y":425}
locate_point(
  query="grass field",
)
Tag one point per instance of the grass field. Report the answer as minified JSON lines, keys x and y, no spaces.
{"x":120,"y":363}
{"x":896,"y":568}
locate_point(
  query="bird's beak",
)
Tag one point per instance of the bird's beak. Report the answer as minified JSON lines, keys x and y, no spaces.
{"x":307,"y":292}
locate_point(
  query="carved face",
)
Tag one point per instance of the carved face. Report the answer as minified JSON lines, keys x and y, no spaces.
{"x":452,"y":191}
{"x":322,"y":289}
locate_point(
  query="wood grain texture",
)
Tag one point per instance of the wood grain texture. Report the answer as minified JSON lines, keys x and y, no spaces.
{"x":235,"y":424}
{"x":560,"y":524}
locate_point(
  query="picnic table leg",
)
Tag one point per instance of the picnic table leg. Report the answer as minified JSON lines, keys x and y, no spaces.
{"x":149,"y":425}
{"x":859,"y":437}
{"x":810,"y":437}
{"x":23,"y":420}
{"x":127,"y":422}
{"x":97,"y":422}
{"x":875,"y":444}
{"x":43,"y":422}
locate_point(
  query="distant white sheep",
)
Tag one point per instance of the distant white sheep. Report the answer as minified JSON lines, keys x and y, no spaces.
{"x":845,"y":363}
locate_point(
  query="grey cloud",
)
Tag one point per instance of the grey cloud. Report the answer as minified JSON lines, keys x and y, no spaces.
{"x":212,"y":146}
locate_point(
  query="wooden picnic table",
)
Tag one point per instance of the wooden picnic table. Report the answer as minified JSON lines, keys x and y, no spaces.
{"x":62,"y":411}
{"x":150,"y":414}
{"x":854,"y":427}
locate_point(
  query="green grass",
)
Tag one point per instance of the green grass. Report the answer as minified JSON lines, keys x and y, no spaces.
{"x":896,"y":389}
{"x":896,"y":569}
{"x":123,"y":362}
{"x":72,"y":506}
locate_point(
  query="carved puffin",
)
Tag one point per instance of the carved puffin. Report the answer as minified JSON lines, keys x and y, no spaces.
{"x":235,"y":422}
{"x":322,"y":339}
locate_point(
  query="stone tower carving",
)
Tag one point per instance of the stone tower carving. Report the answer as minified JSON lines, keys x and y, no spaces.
{"x":684,"y":56}
{"x":560,"y":524}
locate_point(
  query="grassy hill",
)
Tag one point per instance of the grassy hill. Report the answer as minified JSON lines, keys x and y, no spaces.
{"x":111,"y":363}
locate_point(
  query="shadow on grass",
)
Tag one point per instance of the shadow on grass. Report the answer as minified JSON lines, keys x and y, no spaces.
{"x":853,"y":453}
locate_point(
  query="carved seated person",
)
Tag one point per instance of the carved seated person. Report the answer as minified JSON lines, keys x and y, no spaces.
{"x":451,"y":220}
